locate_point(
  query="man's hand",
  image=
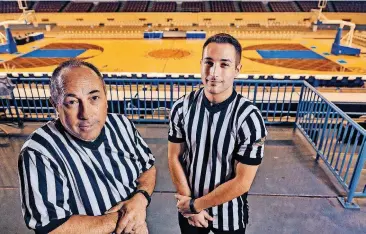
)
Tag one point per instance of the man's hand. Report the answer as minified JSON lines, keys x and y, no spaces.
{"x":133,"y":214}
{"x":200,"y":220}
{"x":142,"y":229}
{"x":183,"y":204}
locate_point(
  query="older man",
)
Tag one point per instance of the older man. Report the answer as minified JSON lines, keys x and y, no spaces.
{"x":87,"y":171}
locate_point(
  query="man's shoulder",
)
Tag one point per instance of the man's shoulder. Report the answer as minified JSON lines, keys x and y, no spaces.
{"x":112,"y":117}
{"x":36,"y":140}
{"x":188,"y":99}
{"x":245,"y":107}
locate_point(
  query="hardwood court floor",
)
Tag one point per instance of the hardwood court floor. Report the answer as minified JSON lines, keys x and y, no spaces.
{"x":183,"y":56}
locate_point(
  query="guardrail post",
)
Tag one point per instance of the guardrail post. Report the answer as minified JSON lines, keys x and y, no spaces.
{"x":347,"y":202}
{"x":298,"y":105}
{"x":321,"y":140}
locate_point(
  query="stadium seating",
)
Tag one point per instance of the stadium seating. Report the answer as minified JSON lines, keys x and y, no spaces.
{"x":282,"y":7}
{"x":106,"y":7}
{"x":306,"y":6}
{"x":78,"y":7}
{"x":252,"y":7}
{"x":222,"y":6}
{"x":135,"y":6}
{"x":9,"y":7}
{"x":193,"y":7}
{"x":49,"y":6}
{"x":350,"y":6}
{"x":164,"y":7}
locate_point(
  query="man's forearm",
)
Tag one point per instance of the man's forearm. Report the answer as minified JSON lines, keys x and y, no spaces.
{"x":178,"y":177}
{"x":147,"y":180}
{"x":223,"y":193}
{"x":88,"y":224}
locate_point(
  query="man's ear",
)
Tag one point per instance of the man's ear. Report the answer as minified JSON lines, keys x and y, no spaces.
{"x":238,"y":68}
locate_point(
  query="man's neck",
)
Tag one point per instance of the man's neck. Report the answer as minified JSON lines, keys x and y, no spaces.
{"x":218,"y":98}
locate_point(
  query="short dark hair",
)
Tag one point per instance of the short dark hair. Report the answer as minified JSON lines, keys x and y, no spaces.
{"x":56,"y":81}
{"x":223,"y":38}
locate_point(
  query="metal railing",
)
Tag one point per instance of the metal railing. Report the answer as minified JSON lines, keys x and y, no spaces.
{"x":337,"y":139}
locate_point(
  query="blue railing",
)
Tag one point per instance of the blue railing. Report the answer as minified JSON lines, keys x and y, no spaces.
{"x":337,"y":139}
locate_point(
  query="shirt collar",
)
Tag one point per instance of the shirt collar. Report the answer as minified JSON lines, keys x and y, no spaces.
{"x":219,"y":106}
{"x":88,"y":144}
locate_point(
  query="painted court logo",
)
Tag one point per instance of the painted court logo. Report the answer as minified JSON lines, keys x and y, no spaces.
{"x":169,"y":54}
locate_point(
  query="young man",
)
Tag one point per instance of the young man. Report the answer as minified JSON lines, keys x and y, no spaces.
{"x":216,"y":139}
{"x":87,"y":171}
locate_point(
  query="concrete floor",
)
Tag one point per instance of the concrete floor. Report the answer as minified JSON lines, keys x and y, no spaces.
{"x":291,"y":193}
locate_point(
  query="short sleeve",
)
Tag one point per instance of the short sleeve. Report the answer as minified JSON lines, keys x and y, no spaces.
{"x":176,"y":131}
{"x":44,"y":192}
{"x":251,"y":138}
{"x":147,"y":159}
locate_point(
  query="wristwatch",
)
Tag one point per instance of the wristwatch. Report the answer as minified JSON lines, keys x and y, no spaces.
{"x":146,"y":195}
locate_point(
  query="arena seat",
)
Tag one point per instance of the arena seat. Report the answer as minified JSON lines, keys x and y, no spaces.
{"x":192,"y":7}
{"x":135,"y":6}
{"x":49,"y":6}
{"x":350,"y":6}
{"x":282,"y":7}
{"x":106,"y":7}
{"x":306,"y":6}
{"x":78,"y":7}
{"x":164,"y":7}
{"x":222,"y":6}
{"x":11,"y":7}
{"x":252,"y":7}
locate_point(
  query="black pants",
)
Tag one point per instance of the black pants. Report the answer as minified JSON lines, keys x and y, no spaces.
{"x":186,"y":228}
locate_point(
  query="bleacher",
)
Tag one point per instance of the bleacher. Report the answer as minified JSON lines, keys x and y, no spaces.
{"x":252,"y":7}
{"x":282,"y":6}
{"x":164,"y":7}
{"x":78,"y":7}
{"x":172,"y":6}
{"x":350,"y":6}
{"x":9,"y":7}
{"x":106,"y":7}
{"x":135,"y":6}
{"x":193,"y":7}
{"x":306,"y":6}
{"x":222,"y":6}
{"x":49,"y":6}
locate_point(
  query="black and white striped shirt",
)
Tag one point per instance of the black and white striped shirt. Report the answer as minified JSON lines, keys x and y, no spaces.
{"x":216,"y":136}
{"x":61,"y":175}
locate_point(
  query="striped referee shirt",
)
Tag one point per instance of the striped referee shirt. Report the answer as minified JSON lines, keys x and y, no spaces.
{"x":61,"y":175}
{"x":216,"y":136}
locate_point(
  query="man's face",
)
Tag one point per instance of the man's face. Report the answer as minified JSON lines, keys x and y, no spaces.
{"x":83,"y":110}
{"x":218,"y":67}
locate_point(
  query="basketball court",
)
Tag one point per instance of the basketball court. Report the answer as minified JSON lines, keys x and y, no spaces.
{"x":297,"y":56}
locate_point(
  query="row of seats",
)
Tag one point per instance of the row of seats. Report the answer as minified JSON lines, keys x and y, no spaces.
{"x":212,"y":6}
{"x":164,"y":7}
{"x":222,"y":6}
{"x":193,"y":7}
{"x":253,"y":7}
{"x":282,"y":6}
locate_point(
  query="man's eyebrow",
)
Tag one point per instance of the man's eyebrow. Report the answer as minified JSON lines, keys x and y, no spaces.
{"x":75,"y":96}
{"x":222,"y":60}
{"x":94,"y":91}
{"x":226,"y":60}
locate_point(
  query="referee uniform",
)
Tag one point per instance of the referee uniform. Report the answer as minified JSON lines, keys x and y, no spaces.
{"x":216,"y":137}
{"x":61,"y":175}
